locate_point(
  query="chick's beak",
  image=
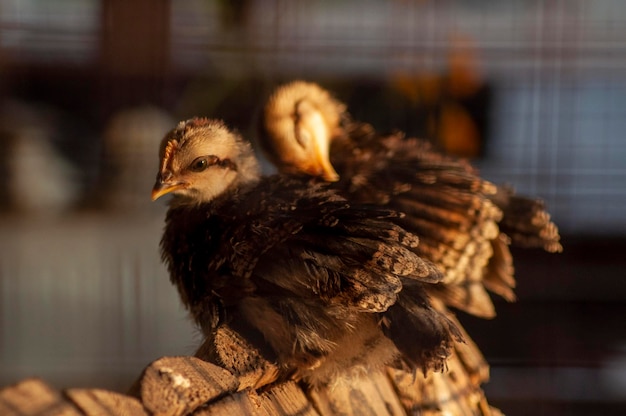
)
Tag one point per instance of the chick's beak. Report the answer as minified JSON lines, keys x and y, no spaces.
{"x":164,"y":185}
{"x":328,"y":172}
{"x":322,"y":161}
{"x":313,"y":123}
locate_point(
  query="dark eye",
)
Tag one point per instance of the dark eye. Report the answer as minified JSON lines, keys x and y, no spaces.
{"x":199,"y":164}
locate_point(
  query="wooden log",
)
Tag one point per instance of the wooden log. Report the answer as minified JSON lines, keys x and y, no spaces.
{"x":230,"y":350}
{"x":34,"y":397}
{"x":396,"y":393}
{"x":240,"y":403}
{"x":98,"y":402}
{"x":282,"y":399}
{"x":173,"y":386}
{"x":286,"y":399}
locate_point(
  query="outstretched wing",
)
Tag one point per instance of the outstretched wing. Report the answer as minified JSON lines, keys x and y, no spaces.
{"x":446,"y":204}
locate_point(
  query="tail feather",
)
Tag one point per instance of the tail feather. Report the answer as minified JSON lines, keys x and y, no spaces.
{"x":526,"y":221}
{"x":469,"y":296}
{"x":499,"y":274}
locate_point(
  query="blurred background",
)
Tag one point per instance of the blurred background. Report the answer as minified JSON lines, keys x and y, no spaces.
{"x":534,"y":92}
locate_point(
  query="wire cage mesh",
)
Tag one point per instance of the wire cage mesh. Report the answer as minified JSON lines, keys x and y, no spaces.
{"x":550,"y":123}
{"x":556,"y":70}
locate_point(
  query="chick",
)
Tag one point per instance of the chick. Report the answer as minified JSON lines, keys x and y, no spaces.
{"x":324,"y":286}
{"x":464,"y":222}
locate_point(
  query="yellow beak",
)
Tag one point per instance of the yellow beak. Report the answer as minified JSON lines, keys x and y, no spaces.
{"x":320,"y":144}
{"x":161,"y":188}
{"x":328,"y":173}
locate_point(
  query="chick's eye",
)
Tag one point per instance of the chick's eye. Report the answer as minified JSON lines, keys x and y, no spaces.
{"x":199,"y":164}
